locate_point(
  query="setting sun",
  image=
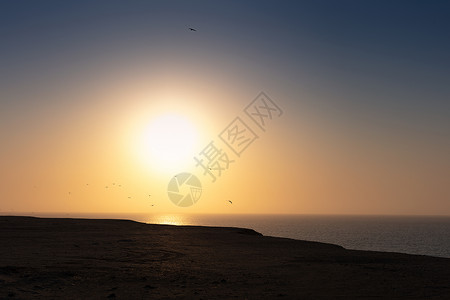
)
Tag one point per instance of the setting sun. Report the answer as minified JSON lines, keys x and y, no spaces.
{"x":168,"y":142}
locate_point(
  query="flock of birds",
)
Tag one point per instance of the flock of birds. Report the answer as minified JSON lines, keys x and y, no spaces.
{"x":109,"y":187}
{"x":129,"y":197}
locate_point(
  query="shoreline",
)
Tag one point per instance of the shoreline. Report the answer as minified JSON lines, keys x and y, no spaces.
{"x":110,"y":258}
{"x":423,"y":235}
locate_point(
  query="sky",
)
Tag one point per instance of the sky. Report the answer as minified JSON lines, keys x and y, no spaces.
{"x":103,"y":104}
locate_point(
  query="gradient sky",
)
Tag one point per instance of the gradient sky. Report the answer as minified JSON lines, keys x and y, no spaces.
{"x":364,"y":86}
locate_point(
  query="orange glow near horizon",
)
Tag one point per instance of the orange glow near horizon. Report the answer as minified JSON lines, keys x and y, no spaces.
{"x":75,"y":167}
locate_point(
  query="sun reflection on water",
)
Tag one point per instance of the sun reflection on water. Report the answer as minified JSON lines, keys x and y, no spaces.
{"x":169,"y":220}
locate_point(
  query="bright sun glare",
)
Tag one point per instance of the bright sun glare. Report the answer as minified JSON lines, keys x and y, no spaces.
{"x":169,"y":142}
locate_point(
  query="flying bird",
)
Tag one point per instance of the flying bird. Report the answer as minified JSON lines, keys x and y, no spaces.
{"x":230,"y":201}
{"x":192,"y":29}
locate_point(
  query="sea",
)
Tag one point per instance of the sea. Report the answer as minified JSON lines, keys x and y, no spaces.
{"x":421,"y":235}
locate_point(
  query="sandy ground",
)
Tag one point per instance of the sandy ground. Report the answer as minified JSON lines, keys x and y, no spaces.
{"x":119,"y":259}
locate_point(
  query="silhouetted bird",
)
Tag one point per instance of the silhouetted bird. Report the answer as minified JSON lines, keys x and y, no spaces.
{"x":230,"y":201}
{"x":192,"y":29}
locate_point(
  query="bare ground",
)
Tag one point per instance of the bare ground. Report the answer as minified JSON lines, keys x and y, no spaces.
{"x":120,"y":259}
